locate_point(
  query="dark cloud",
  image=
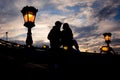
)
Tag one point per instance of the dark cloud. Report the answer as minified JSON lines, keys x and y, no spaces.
{"x":115,"y":42}
{"x":109,"y":10}
{"x":8,"y":11}
{"x":117,"y":28}
{"x":87,"y":31}
{"x":106,"y":12}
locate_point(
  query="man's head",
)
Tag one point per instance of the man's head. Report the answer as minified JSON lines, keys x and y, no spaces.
{"x":58,"y":23}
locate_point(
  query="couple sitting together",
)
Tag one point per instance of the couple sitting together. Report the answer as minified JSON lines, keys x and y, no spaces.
{"x":62,"y":38}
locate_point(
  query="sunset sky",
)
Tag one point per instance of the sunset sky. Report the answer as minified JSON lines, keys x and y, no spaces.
{"x":88,"y":19}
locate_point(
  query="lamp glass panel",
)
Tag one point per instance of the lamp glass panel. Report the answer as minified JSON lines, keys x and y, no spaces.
{"x":29,"y":17}
{"x":107,"y":38}
{"x":105,"y":48}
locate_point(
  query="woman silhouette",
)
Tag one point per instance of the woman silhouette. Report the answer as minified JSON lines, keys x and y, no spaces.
{"x":67,"y":38}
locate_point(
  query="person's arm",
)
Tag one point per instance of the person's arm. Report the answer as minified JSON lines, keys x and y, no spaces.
{"x":75,"y":44}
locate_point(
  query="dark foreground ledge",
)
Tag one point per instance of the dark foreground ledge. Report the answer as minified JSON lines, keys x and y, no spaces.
{"x":56,"y":56}
{"x":22,"y":64}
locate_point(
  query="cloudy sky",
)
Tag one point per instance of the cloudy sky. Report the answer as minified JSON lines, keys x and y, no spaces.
{"x":88,"y":19}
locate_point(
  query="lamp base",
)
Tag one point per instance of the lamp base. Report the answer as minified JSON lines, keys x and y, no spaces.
{"x":29,"y":24}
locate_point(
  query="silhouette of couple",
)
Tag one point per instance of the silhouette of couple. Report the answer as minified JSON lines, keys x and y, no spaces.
{"x":62,"y":38}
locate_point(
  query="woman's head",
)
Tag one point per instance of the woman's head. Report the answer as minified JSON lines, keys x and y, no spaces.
{"x":65,"y":26}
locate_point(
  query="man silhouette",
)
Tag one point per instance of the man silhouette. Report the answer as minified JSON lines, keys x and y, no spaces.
{"x":55,"y":35}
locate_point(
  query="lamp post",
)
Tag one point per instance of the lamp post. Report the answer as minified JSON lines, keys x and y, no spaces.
{"x":107,"y":49}
{"x":29,"y":14}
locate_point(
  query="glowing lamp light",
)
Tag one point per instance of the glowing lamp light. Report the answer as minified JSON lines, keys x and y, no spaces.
{"x":29,"y":14}
{"x":18,"y":45}
{"x":29,"y":17}
{"x":107,"y":37}
{"x":65,"y":48}
{"x":28,"y":46}
{"x":105,"y":48}
{"x":44,"y":46}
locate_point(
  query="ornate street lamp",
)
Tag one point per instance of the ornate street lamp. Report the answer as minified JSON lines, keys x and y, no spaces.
{"x":29,"y":14}
{"x":107,"y":49}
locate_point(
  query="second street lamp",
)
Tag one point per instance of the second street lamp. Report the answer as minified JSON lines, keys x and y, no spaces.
{"x":107,"y":37}
{"x":107,"y":49}
{"x":29,"y":14}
